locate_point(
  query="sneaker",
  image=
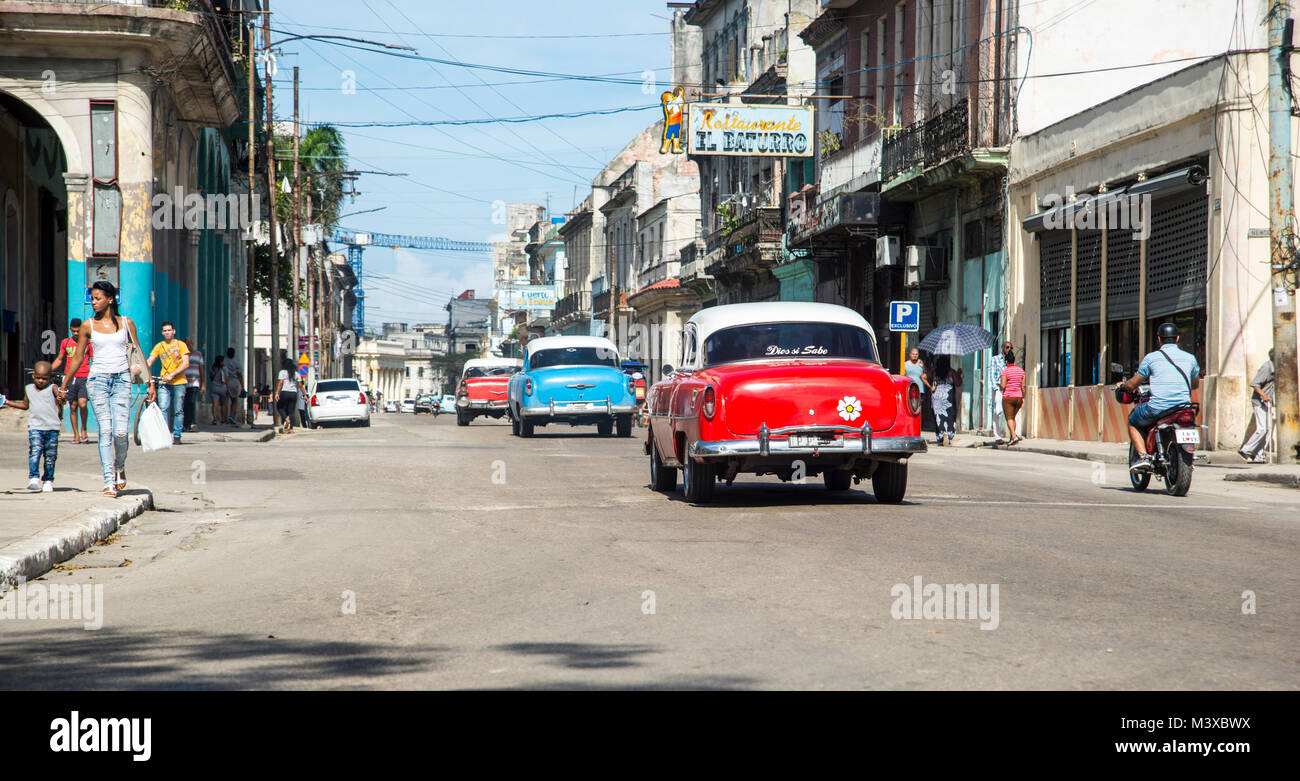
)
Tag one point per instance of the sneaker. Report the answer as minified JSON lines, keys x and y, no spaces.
{"x":1244,"y":456}
{"x":176,"y":440}
{"x":1141,"y":465}
{"x":34,"y":484}
{"x":47,"y":487}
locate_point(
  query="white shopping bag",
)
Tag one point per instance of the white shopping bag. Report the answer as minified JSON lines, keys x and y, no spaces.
{"x":154,"y":434}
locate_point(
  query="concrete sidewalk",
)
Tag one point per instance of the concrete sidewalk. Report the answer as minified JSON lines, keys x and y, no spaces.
{"x":1226,"y":463}
{"x":39,"y":530}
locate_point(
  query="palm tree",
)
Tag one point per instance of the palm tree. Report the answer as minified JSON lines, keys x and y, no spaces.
{"x":322,"y":159}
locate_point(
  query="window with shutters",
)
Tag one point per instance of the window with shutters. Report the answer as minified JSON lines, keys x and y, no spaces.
{"x":1054,"y":278}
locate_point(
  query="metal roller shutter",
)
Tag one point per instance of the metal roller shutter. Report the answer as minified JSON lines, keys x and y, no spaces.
{"x":1054,"y":278}
{"x":1088,"y":278}
{"x":1123,"y":273}
{"x":1177,"y":253}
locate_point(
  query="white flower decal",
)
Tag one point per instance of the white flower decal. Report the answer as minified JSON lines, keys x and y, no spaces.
{"x":849,"y":408}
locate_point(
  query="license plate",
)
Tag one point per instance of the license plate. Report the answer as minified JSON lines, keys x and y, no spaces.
{"x":1187,"y":436}
{"x":577,"y":405}
{"x":814,"y":440}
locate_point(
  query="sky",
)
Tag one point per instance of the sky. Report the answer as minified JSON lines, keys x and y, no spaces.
{"x":454,"y":174}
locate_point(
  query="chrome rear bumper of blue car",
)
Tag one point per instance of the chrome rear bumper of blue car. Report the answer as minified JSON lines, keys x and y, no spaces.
{"x":572,"y":409}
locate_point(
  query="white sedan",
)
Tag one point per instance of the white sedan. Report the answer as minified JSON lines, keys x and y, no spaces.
{"x":338,"y":400}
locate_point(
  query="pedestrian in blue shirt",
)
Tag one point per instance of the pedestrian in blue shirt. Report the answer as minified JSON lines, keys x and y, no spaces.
{"x":1172,"y":374}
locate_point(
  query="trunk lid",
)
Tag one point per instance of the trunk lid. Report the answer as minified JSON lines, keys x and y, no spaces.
{"x":803,"y":393}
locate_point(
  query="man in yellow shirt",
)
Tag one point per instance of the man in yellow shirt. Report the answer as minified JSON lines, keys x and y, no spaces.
{"x":175,"y":358}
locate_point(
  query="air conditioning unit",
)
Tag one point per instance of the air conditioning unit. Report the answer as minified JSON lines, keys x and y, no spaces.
{"x":926,"y":266}
{"x":886,"y":251}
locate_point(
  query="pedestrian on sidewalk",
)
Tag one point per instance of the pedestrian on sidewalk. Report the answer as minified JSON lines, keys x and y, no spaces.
{"x":234,"y":386}
{"x":1011,"y":388}
{"x":44,"y":420}
{"x":174,"y":358}
{"x":197,"y":386}
{"x":286,"y":389}
{"x":220,"y":395}
{"x":996,"y":364}
{"x":109,"y":383}
{"x":79,"y":412}
{"x":945,"y":398}
{"x":1261,"y":400}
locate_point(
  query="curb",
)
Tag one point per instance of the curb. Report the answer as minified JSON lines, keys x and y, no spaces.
{"x":1285,"y":481}
{"x":36,"y":555}
{"x":1061,"y":452}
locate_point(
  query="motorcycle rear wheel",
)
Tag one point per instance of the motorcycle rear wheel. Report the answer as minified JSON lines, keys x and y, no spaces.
{"x":1178,"y":478}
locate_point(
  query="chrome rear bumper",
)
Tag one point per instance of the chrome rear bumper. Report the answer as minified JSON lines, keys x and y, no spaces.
{"x":777,"y":440}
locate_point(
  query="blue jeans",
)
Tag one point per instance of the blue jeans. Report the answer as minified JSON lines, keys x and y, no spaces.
{"x":42,"y":445}
{"x":1143,"y":416}
{"x":110,"y":399}
{"x":171,"y":400}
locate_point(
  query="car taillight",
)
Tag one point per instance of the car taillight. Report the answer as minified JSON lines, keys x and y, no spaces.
{"x":361,"y":398}
{"x":710,"y":403}
{"x":631,"y":384}
{"x":914,"y":399}
{"x":528,"y":386}
{"x":313,"y":400}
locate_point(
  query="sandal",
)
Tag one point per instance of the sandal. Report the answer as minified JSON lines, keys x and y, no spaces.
{"x":121,"y":480}
{"x":110,"y":492}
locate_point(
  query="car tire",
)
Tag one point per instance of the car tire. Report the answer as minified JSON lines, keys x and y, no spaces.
{"x":462,"y":419}
{"x":365,"y":423}
{"x":514,"y":425}
{"x":697,"y":481}
{"x":662,"y":478}
{"x":605,"y":428}
{"x":624,"y":424}
{"x":889,"y":483}
{"x":525,"y":428}
{"x":837,"y":479}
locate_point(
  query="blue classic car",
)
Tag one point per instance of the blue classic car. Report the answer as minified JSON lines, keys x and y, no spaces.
{"x":574,"y":380}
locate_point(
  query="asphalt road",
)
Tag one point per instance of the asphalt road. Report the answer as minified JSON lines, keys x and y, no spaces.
{"x":478,"y":560}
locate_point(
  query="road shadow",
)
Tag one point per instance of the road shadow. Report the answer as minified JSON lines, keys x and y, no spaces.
{"x":69,"y":657}
{"x":740,"y":495}
{"x":583,"y":656}
{"x":607,"y":656}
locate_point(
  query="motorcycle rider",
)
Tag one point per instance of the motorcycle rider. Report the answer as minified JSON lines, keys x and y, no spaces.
{"x":1172,"y":375}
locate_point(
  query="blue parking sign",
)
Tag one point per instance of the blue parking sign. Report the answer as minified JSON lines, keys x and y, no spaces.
{"x":905,"y":316}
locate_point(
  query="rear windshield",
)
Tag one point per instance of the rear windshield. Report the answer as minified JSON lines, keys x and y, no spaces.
{"x":573,"y":356}
{"x":489,"y":371}
{"x":788,"y":340}
{"x":325,"y":386}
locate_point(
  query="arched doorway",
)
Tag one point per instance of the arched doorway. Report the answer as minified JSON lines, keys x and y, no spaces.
{"x":33,"y":242}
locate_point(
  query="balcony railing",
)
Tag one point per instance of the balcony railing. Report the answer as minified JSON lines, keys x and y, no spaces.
{"x":761,"y":224}
{"x":573,"y":306}
{"x":928,"y":142}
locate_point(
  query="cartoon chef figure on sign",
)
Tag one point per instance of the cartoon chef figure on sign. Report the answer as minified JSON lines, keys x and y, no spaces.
{"x":673,"y":103}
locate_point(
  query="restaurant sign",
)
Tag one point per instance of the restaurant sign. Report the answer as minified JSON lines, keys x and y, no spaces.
{"x":750,"y":130}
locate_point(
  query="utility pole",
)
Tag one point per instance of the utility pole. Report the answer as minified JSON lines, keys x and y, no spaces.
{"x":273,"y":191}
{"x":297,"y":226}
{"x":250,"y":354}
{"x":1281,"y":236}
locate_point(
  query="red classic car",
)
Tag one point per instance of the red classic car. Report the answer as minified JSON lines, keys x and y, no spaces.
{"x":788,"y":389}
{"x":482,"y":389}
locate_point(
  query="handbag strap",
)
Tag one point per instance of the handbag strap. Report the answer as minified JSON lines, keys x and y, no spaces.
{"x":1181,"y":373}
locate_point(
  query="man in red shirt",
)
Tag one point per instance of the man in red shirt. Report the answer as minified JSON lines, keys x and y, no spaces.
{"x":77,"y":388}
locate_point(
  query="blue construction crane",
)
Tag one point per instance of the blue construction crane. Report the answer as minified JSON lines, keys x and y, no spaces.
{"x":357,"y":241}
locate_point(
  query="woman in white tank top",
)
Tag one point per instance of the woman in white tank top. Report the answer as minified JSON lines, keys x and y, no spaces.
{"x":109,"y":383}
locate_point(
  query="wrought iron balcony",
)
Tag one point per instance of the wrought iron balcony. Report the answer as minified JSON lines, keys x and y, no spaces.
{"x":572,"y":308}
{"x":928,"y":142}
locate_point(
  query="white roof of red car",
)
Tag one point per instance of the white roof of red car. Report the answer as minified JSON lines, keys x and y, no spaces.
{"x":474,"y":363}
{"x":715,"y":318}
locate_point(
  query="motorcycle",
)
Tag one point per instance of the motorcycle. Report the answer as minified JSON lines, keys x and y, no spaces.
{"x":1171,"y":442}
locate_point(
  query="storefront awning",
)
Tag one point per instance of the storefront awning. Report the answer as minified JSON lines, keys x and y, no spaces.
{"x":1063,"y":216}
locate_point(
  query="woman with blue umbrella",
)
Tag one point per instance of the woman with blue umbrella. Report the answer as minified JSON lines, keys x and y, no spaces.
{"x":952,"y":339}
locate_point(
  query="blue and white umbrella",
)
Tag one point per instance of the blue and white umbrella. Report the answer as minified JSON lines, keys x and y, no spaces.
{"x":957,"y":339}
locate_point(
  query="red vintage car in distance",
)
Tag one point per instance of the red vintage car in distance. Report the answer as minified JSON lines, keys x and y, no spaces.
{"x":482,"y":389}
{"x":788,"y":389}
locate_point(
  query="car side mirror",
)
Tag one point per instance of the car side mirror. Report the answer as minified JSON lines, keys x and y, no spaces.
{"x":668,"y":369}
